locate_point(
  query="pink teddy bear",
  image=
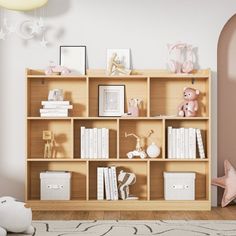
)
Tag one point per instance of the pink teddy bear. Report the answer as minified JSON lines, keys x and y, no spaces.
{"x":189,"y":107}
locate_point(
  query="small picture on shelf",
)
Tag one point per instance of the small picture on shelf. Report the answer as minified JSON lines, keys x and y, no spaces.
{"x":73,"y":58}
{"x":111,"y":100}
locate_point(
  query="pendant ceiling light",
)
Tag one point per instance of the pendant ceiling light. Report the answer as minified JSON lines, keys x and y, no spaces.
{"x":22,"y":5}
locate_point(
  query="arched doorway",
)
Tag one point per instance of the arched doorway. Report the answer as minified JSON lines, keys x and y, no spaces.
{"x":227,"y":96}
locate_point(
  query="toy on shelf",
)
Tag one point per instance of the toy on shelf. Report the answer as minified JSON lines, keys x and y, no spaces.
{"x":126,"y":179}
{"x":55,"y":95}
{"x":115,"y":67}
{"x":134,"y":105}
{"x":48,"y":137}
{"x":139,"y":151}
{"x":56,"y":70}
{"x":183,"y":62}
{"x":189,"y":107}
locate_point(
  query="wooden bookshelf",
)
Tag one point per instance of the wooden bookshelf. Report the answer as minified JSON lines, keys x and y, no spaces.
{"x":161,"y":93}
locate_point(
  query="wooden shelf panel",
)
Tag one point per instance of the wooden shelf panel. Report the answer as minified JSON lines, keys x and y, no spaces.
{"x":74,"y":91}
{"x":140,"y":91}
{"x":62,"y":135}
{"x":78,"y":181}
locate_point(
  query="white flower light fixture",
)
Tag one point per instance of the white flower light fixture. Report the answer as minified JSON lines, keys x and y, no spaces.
{"x":22,"y":5}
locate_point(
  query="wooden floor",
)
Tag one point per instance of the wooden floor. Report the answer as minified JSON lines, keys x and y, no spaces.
{"x":218,"y":213}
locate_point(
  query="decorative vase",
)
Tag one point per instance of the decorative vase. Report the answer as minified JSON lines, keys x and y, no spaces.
{"x":153,"y":150}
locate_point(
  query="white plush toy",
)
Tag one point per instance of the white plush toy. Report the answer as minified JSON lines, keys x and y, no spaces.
{"x":14,"y":217}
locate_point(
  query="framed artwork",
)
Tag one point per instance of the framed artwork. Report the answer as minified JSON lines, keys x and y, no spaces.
{"x":111,"y":100}
{"x":123,"y":57}
{"x":73,"y":58}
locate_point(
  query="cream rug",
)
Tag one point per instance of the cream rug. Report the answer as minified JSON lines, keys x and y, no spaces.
{"x":130,"y":228}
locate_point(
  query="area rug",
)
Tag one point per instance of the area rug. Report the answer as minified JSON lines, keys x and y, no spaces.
{"x":138,"y":228}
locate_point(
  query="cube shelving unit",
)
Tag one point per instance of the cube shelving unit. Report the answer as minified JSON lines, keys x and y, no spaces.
{"x":161,"y":93}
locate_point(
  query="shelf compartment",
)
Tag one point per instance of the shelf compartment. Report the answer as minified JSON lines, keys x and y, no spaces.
{"x":78,"y":181}
{"x":157,"y":180}
{"x":75,"y":91}
{"x":139,"y":127}
{"x":167,"y":93}
{"x":139,"y":189}
{"x":111,"y":124}
{"x":62,"y":134}
{"x":203,"y":125}
{"x":134,"y":88}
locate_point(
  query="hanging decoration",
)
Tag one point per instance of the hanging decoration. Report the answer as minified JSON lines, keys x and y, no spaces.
{"x":27,"y":29}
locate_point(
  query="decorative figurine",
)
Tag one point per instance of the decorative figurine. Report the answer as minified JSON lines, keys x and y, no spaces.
{"x":116,"y":68}
{"x":55,"y":95}
{"x":189,"y":107}
{"x":56,"y":69}
{"x":133,"y":109}
{"x":138,"y":149}
{"x":126,"y":179}
{"x":48,"y":147}
{"x":153,"y":150}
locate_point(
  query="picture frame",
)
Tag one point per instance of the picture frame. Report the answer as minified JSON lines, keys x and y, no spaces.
{"x":111,"y":100}
{"x":123,"y":56}
{"x":73,"y":58}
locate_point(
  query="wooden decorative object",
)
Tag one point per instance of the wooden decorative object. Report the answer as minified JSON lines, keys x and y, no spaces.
{"x":48,"y":137}
{"x":161,"y":93}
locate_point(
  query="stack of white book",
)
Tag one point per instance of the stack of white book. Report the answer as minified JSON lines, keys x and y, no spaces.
{"x":55,"y":108}
{"x":107,"y":183}
{"x":94,"y":143}
{"x":183,"y":142}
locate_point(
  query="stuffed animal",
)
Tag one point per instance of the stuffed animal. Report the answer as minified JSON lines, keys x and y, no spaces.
{"x":14,"y":217}
{"x":189,"y":106}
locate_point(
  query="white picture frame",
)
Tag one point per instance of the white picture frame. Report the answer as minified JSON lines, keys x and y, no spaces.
{"x":73,"y":58}
{"x":123,"y":56}
{"x":111,"y":100}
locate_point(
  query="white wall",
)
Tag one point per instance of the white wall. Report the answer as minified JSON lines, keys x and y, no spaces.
{"x":145,"y":26}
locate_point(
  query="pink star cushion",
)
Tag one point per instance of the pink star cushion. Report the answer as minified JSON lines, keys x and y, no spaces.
{"x":228,"y":182}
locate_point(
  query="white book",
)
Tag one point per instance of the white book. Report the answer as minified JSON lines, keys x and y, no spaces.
{"x":100,"y":183}
{"x":186,"y":143}
{"x":107,"y":184}
{"x":169,"y":129}
{"x":86,"y":143}
{"x":182,"y":143}
{"x":111,"y":184}
{"x":105,"y":143}
{"x":192,"y":143}
{"x":54,"y":115}
{"x":55,"y":103}
{"x":200,"y":144}
{"x":178,"y":143}
{"x":99,"y":143}
{"x":174,"y":142}
{"x":95,"y":143}
{"x":55,"y":106}
{"x":91,"y":143}
{"x":114,"y":181}
{"x":82,"y":142}
{"x":53,"y":111}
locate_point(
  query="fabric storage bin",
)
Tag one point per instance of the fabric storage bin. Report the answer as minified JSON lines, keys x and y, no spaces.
{"x":55,"y":185}
{"x":179,"y":185}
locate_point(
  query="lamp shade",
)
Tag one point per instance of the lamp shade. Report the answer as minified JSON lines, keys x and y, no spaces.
{"x":22,"y":5}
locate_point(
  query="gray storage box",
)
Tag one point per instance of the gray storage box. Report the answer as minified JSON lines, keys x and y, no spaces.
{"x":55,"y":185}
{"x":179,"y":185}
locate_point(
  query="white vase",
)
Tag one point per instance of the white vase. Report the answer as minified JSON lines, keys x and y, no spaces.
{"x":153,"y":150}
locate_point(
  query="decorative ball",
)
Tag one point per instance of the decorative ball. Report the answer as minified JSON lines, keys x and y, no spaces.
{"x":153,"y":150}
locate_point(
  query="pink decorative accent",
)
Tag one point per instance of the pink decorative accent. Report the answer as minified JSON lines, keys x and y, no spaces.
{"x":228,"y":183}
{"x":133,"y":109}
{"x":189,"y":106}
{"x":57,"y":69}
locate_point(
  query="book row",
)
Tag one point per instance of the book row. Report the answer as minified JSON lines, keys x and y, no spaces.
{"x":183,"y":143}
{"x":94,"y":143}
{"x":107,"y":188}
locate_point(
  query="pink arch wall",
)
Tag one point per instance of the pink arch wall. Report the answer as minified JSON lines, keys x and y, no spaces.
{"x":226,"y":96}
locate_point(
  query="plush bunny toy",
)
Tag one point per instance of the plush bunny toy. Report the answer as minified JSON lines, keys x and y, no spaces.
{"x":14,"y":217}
